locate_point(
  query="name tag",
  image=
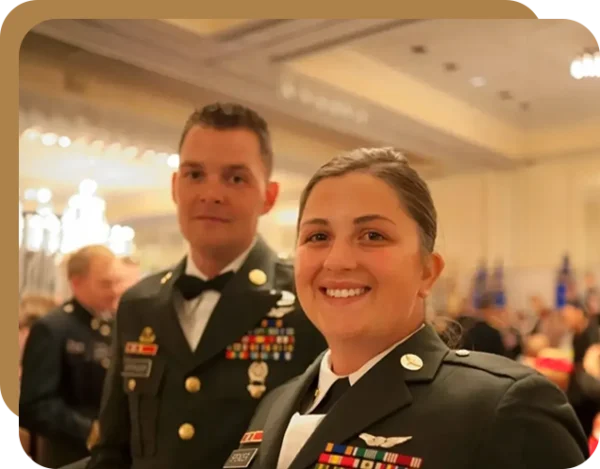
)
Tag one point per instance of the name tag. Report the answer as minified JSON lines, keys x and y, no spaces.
{"x":136,"y":367}
{"x":240,"y":458}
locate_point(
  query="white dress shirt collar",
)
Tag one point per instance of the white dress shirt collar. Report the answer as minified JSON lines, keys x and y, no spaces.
{"x":327,"y":377}
{"x":234,"y":266}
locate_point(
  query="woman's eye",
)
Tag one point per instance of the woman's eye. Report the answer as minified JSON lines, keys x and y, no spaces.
{"x":316,"y":237}
{"x":373,"y":236}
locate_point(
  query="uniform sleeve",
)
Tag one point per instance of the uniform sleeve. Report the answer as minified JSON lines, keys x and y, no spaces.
{"x":42,"y":409}
{"x":112,"y":450}
{"x":534,"y":428}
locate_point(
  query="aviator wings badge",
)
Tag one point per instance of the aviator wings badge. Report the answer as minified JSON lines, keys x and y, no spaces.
{"x":383,"y":442}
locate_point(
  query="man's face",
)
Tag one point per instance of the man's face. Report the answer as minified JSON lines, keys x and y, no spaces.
{"x":98,"y":289}
{"x":221,"y":188}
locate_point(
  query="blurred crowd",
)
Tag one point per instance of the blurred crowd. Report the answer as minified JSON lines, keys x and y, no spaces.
{"x":561,"y":342}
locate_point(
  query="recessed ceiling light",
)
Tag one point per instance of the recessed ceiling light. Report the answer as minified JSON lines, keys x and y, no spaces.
{"x":477,"y":82}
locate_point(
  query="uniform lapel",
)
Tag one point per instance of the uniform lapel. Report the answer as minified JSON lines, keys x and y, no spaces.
{"x":242,"y":304}
{"x":292,"y":394}
{"x":169,"y":333}
{"x":382,"y":391}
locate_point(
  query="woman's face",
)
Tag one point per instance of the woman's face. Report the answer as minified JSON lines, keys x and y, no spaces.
{"x":359,"y":269}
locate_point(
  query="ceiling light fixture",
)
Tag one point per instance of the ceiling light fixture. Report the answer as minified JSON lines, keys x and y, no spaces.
{"x":477,"y":82}
{"x":64,"y":142}
{"x":586,"y":65}
{"x":49,"y":139}
{"x":326,"y":105}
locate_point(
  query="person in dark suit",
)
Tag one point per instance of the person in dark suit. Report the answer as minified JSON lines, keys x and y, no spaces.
{"x":585,"y":330}
{"x":477,"y":334}
{"x":387,"y":390}
{"x":197,"y":347}
{"x":65,"y":360}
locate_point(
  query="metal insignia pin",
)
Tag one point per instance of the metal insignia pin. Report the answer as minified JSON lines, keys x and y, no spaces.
{"x":383,"y":442}
{"x":95,"y":324}
{"x":287,"y":298}
{"x":257,"y":277}
{"x":147,"y":336}
{"x":166,"y":278}
{"x":411,"y":362}
{"x":257,"y":372}
{"x":68,"y":308}
{"x":105,"y":330}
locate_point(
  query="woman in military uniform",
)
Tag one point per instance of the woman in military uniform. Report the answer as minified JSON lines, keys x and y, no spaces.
{"x":388,"y":393}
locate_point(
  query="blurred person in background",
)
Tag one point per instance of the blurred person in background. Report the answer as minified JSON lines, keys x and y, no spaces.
{"x":65,"y":360}
{"x":592,"y":301}
{"x":129,"y":274}
{"x":477,"y":332}
{"x":550,"y":323}
{"x":585,"y":334}
{"x":31,"y":308}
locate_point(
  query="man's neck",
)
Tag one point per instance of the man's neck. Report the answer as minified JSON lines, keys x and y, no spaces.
{"x":86,"y":306}
{"x":212,"y":261}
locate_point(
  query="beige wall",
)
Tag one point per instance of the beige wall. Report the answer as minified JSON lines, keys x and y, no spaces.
{"x":528,"y":218}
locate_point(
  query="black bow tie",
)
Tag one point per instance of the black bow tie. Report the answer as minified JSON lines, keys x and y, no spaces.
{"x":192,"y":287}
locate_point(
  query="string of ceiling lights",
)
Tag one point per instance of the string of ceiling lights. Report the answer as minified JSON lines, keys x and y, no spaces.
{"x":51,"y":139}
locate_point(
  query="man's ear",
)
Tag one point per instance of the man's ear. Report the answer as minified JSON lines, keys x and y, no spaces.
{"x":272,"y":191}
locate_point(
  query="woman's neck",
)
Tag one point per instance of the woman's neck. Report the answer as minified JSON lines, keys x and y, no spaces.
{"x":350,"y":355}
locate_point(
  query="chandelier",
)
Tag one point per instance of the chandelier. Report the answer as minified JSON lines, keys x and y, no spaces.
{"x":586,"y":66}
{"x":82,"y":223}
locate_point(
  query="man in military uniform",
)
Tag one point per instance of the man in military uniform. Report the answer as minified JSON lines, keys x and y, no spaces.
{"x":65,"y":360}
{"x":197,"y":347}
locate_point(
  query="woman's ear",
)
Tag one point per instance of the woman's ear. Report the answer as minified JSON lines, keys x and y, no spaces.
{"x":433,"y":266}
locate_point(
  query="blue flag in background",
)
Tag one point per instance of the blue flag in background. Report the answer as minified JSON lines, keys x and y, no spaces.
{"x":498,"y":285}
{"x":479,"y":284}
{"x":562,"y":282}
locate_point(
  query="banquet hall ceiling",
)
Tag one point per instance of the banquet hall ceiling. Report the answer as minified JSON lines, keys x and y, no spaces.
{"x":455,"y":95}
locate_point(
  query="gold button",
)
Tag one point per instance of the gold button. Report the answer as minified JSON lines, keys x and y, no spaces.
{"x":131,"y":384}
{"x":257,"y":277}
{"x":192,"y":384}
{"x":186,"y":431}
{"x":105,"y":330}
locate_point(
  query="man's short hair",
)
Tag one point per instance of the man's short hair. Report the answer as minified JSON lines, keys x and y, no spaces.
{"x":227,"y":116}
{"x":78,"y":263}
